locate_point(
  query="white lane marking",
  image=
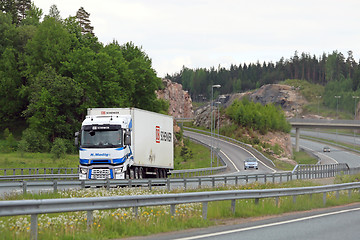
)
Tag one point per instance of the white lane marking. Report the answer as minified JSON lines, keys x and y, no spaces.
{"x":267,"y":225}
{"x":238,"y":147}
{"x":249,"y":153}
{"x":321,"y":154}
{"x":230,"y":161}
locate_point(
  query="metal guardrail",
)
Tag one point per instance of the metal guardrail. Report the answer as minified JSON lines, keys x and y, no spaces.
{"x":45,"y":206}
{"x":300,"y":172}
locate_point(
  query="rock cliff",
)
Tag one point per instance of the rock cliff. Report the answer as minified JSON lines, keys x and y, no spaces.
{"x":179,"y":100}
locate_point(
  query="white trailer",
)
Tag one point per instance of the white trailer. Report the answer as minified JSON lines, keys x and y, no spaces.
{"x":123,"y":143}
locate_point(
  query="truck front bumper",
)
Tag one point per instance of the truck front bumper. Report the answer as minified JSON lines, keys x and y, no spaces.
{"x":101,"y":172}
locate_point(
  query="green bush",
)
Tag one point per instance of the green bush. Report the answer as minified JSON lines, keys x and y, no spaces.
{"x":259,"y":117}
{"x":9,"y":144}
{"x":33,"y":141}
{"x":59,"y":148}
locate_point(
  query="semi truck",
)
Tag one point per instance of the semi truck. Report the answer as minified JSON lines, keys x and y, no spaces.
{"x":125,"y":143}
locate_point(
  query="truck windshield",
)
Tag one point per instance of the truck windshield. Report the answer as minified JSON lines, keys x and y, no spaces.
{"x":101,"y":138}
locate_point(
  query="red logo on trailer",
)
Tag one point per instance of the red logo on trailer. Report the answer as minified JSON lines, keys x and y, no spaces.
{"x":157,"y":134}
{"x":103,"y":112}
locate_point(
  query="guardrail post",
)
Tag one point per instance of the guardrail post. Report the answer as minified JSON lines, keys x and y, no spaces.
{"x":89,"y":219}
{"x":225,"y":180}
{"x":233,"y":204}
{"x":277,"y":201}
{"x":172,"y":209}
{"x":324,"y":198}
{"x":204,"y":210}
{"x":256,"y":178}
{"x":199,"y":182}
{"x":185,"y":183}
{"x":294,"y":199}
{"x":149,"y":184}
{"x":265,"y":178}
{"x":247,"y":179}
{"x":213,"y":181}
{"x":82,"y":184}
{"x":24,"y":187}
{"x":108,"y":184}
{"x":337,"y":194}
{"x":136,"y":211}
{"x":34,"y":227}
{"x":55,"y":186}
{"x":349,"y":193}
{"x":236,"y":180}
{"x":257,"y":201}
{"x":273,"y":178}
{"x":130,"y":183}
{"x":168,"y":184}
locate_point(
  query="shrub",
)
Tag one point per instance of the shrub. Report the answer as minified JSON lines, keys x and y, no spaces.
{"x":9,"y":144}
{"x":33,"y":141}
{"x":59,"y":148}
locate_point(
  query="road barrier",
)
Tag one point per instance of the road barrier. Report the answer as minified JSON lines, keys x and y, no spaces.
{"x":45,"y":206}
{"x":300,"y":172}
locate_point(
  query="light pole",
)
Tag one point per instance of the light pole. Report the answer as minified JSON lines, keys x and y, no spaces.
{"x":318,"y":97}
{"x":355,"y":97}
{"x":337,"y":110}
{"x":211,"y":118}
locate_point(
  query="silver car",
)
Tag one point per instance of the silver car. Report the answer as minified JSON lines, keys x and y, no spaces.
{"x":251,"y":163}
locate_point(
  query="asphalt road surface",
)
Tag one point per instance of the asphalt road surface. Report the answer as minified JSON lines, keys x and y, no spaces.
{"x":233,"y":154}
{"x":330,"y":224}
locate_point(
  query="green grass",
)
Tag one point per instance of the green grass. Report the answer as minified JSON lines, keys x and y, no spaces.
{"x":200,"y":157}
{"x":121,"y":223}
{"x":303,"y":157}
{"x":37,"y":160}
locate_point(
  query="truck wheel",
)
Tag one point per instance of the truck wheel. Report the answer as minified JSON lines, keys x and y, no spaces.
{"x":136,"y":173}
{"x":132,"y":174}
{"x":127,"y":174}
{"x":141,"y":173}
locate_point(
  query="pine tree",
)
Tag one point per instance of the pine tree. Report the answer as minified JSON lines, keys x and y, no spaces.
{"x":83,"y":19}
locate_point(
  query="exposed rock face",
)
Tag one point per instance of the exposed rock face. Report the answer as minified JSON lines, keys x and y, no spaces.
{"x":179,"y":100}
{"x":289,"y":98}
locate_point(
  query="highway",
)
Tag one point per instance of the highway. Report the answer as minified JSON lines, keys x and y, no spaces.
{"x":233,"y":154}
{"x":349,"y":139}
{"x":330,"y":224}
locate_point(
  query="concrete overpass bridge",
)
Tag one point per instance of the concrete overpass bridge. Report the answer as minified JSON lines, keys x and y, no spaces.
{"x":298,"y":123}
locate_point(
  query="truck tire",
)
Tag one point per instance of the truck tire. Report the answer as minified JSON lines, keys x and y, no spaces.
{"x":141,"y":173}
{"x":132,"y":173}
{"x":136,"y":173}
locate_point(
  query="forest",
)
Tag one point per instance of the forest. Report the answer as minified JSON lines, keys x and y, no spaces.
{"x":53,"y":69}
{"x":339,"y":75}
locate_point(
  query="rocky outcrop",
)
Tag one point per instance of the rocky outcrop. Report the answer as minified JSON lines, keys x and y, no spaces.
{"x":287,"y":97}
{"x":179,"y":100}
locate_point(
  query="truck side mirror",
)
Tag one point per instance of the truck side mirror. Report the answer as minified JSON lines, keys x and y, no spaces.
{"x":127,"y":138}
{"x":77,"y":139}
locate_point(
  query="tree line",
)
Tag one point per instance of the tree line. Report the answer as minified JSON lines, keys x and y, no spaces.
{"x":53,"y":69}
{"x":333,"y":67}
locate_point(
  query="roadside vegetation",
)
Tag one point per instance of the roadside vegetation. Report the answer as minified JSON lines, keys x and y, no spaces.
{"x":120,"y":223}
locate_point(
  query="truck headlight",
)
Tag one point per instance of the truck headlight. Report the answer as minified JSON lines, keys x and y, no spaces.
{"x":118,"y":170}
{"x":83,"y":170}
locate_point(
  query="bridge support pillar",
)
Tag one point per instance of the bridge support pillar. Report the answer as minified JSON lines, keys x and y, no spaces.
{"x":297,"y":139}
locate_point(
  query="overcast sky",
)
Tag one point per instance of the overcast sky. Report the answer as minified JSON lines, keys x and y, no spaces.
{"x":206,"y":33}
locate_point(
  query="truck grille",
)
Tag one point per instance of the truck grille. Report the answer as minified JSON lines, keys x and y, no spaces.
{"x":98,"y":173}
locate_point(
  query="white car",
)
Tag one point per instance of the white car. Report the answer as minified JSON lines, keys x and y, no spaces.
{"x":251,"y":163}
{"x":326,"y":149}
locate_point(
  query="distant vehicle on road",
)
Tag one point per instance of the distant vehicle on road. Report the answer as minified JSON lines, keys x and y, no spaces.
{"x":251,"y":163}
{"x":326,"y":149}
